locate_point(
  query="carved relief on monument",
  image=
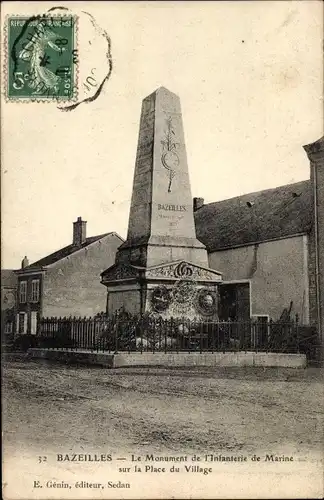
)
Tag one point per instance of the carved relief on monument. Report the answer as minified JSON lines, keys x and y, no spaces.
{"x":160,"y":272}
{"x":206,"y":302}
{"x":141,"y":196}
{"x":204,"y":274}
{"x":183,"y":270}
{"x":170,"y":159}
{"x":160,"y":298}
{"x":183,"y":295}
{"x":120,"y":272}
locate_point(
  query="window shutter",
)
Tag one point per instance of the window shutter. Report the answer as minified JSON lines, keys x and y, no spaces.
{"x":25,"y":323}
{"x":33,"y":322}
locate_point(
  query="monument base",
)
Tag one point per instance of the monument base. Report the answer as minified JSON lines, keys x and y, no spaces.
{"x":171,"y":359}
{"x":158,"y":250}
{"x":175,"y":289}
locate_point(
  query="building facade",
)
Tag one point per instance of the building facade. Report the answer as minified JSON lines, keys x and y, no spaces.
{"x":274,"y":240}
{"x":8,"y":302}
{"x":315,"y":152}
{"x":65,"y":283}
{"x":263,"y":238}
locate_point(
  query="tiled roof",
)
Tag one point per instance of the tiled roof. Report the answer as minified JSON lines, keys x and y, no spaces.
{"x":264,"y":215}
{"x":8,"y":278}
{"x":65,"y":252}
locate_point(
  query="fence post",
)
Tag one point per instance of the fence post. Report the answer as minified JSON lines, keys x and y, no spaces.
{"x":142,"y":320}
{"x":53,"y":323}
{"x":132,"y":327}
{"x":223,"y":335}
{"x":86,"y":330}
{"x":116,"y":333}
{"x":257,"y":335}
{"x":174,"y":327}
{"x":38,"y":326}
{"x":160,"y":331}
{"x":218,"y":343}
{"x":297,"y":333}
{"x":73,"y":331}
{"x":70,"y":328}
{"x":270,"y":336}
{"x":200,"y":336}
{"x":62,"y":333}
{"x":210,"y":331}
{"x":153,"y":336}
{"x":230,"y":334}
{"x":108,"y":327}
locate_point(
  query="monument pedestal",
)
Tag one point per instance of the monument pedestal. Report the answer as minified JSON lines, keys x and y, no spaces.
{"x":160,"y":249}
{"x":175,"y":289}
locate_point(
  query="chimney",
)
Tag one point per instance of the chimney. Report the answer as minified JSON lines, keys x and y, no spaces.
{"x":198,"y":203}
{"x":24,"y":262}
{"x":79,"y":232}
{"x":315,"y":153}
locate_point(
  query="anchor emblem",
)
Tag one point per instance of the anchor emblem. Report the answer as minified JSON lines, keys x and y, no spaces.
{"x":170,"y":159}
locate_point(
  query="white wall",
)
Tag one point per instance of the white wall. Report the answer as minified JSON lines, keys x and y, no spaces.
{"x":277,"y":270}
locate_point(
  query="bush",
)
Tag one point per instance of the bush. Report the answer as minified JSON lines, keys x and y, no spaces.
{"x":309,"y":342}
{"x":24,"y":342}
{"x":59,"y":341}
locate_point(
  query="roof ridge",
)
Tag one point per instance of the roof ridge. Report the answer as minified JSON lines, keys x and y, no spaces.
{"x":257,"y":192}
{"x":278,"y":212}
{"x":67,"y":250}
{"x":98,"y":235}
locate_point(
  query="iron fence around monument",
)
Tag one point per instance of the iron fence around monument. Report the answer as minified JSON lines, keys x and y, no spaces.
{"x":126,"y":332}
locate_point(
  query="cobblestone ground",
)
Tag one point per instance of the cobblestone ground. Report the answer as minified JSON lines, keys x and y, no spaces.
{"x":52,"y":406}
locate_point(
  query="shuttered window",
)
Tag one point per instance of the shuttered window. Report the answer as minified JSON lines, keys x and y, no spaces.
{"x":22,"y":328}
{"x":23,"y":292}
{"x":35,"y":291}
{"x":8,"y":327}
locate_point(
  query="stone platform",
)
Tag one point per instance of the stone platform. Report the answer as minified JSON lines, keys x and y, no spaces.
{"x":110,"y":360}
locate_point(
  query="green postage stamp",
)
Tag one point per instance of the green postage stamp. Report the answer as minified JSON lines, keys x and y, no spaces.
{"x":41,"y":62}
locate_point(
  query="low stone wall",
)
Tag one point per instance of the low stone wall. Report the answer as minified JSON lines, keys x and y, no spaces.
{"x":110,"y":360}
{"x":89,"y":358}
{"x":210,"y":359}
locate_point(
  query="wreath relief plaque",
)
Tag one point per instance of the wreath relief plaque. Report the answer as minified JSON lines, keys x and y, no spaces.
{"x":206,"y":302}
{"x":160,"y":299}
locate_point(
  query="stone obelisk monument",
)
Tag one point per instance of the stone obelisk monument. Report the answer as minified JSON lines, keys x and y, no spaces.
{"x":161,"y":261}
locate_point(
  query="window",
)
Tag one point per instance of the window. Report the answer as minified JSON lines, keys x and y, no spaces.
{"x":23,"y":292}
{"x":22,"y":323}
{"x":35,"y":291}
{"x":8,"y":327}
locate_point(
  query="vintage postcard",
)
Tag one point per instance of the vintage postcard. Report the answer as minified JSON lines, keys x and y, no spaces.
{"x":162,"y":273}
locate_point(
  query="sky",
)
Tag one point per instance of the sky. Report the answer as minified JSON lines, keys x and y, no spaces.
{"x":249,"y":77}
